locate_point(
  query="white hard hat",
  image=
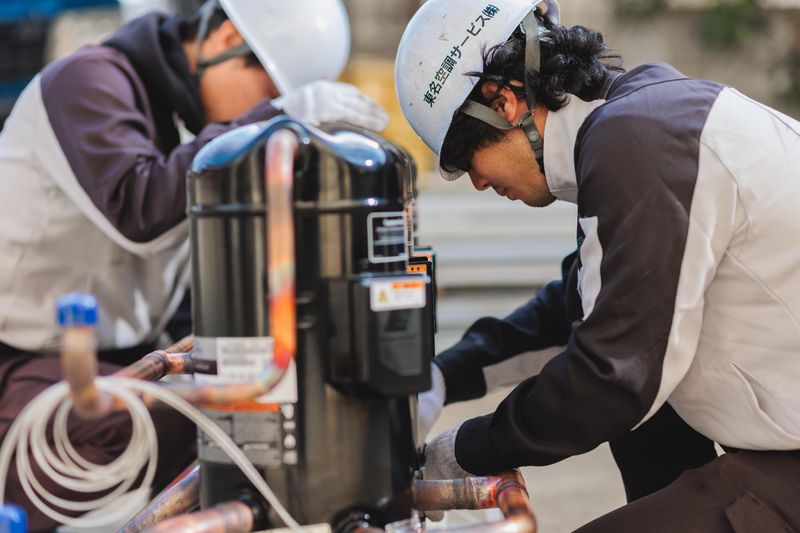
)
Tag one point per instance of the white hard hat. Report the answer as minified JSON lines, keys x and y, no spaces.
{"x":298,"y":41}
{"x":443,"y":42}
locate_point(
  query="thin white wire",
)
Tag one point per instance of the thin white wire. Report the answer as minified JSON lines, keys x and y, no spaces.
{"x":71,"y":471}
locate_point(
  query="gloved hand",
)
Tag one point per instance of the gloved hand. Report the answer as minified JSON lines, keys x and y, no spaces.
{"x":439,"y":462}
{"x":330,"y":101}
{"x":430,"y":402}
{"x":439,"y":457}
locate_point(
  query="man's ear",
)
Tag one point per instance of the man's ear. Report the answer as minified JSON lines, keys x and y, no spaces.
{"x":507,"y":104}
{"x":511,"y":107}
{"x":223,"y":37}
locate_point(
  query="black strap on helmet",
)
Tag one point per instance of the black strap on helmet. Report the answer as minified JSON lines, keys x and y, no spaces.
{"x":484,"y":113}
{"x":205,"y":13}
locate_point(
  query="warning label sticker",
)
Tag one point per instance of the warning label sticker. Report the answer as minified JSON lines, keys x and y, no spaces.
{"x":387,"y":236}
{"x":398,"y":293}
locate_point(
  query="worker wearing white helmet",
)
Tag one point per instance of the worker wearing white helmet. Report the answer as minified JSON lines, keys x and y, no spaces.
{"x":299,"y":64}
{"x":674,"y":324}
{"x":93,"y":185}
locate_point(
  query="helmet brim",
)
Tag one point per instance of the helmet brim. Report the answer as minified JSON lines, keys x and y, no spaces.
{"x":450,"y":176}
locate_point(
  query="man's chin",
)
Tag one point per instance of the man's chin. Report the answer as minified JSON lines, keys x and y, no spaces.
{"x":539,"y":201}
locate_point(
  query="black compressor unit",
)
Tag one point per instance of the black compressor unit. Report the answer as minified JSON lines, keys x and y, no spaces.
{"x":334,"y":438}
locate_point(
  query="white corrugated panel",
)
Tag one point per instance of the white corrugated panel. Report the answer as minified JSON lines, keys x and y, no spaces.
{"x":484,"y":240}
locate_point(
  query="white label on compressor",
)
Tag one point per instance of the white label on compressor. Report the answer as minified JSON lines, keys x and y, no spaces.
{"x":398,"y":293}
{"x":387,"y":234}
{"x":242,"y":359}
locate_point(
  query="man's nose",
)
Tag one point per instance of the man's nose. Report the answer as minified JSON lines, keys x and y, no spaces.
{"x":478,"y":182}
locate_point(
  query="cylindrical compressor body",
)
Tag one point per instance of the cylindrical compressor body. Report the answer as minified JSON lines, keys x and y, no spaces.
{"x":334,"y":438}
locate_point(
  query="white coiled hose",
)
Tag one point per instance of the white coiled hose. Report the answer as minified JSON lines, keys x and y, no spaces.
{"x":66,"y":467}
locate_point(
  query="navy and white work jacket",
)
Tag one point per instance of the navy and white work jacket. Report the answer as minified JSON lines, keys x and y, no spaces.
{"x":685,"y":287}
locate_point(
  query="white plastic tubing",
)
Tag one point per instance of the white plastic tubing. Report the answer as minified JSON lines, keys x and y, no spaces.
{"x":65,"y":466}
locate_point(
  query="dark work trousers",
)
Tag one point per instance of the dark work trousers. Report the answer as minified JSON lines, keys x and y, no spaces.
{"x":23,"y":376}
{"x":658,"y":451}
{"x":738,"y":492}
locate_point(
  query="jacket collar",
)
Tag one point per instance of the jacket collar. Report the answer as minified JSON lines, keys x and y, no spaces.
{"x":560,"y":134}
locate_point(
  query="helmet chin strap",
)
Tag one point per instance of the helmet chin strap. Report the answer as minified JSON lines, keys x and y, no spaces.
{"x":202,"y":63}
{"x":484,"y":113}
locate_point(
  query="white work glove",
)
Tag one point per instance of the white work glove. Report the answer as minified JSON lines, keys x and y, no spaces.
{"x":439,"y":462}
{"x":331,"y":101}
{"x":431,"y":402}
{"x":439,"y":457}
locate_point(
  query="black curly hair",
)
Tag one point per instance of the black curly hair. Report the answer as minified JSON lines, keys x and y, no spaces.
{"x":573,"y":61}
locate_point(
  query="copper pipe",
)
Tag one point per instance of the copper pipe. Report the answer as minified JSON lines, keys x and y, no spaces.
{"x":514,"y":502}
{"x":177,"y":359}
{"x":180,"y":497}
{"x":230,"y":517}
{"x":278,"y":182}
{"x":466,"y":493}
{"x":506,"y":492}
{"x":158,"y":364}
{"x":184,"y":345}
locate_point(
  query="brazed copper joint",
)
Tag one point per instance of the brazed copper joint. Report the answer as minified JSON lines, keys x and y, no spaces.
{"x":513,"y":502}
{"x":180,"y":497}
{"x":467,"y":493}
{"x":177,"y":359}
{"x":230,"y":517}
{"x":507,"y":492}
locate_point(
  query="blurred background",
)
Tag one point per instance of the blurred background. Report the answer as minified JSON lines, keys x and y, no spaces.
{"x":492,"y":254}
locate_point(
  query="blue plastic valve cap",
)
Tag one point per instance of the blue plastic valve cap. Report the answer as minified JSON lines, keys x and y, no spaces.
{"x":13,"y":519}
{"x":76,"y":309}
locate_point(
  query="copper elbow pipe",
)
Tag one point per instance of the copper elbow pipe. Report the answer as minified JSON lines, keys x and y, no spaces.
{"x":280,"y":258}
{"x":514,"y":502}
{"x":180,"y":497}
{"x":230,"y":517}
